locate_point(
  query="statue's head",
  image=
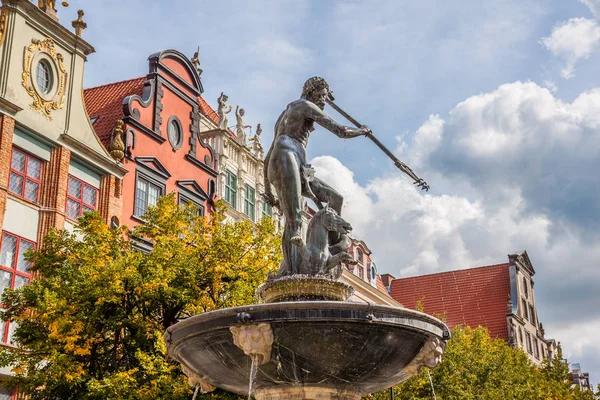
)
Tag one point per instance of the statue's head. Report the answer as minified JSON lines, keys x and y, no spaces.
{"x":258,"y":129}
{"x":242,"y":112}
{"x":316,"y":90}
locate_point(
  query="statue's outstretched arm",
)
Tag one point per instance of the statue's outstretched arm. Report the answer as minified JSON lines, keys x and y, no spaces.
{"x":345,"y":132}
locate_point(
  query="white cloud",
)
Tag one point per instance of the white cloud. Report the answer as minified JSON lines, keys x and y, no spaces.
{"x":594,"y":6}
{"x":512,"y":169}
{"x":573,"y":40}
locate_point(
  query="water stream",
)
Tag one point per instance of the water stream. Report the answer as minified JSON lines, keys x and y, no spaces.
{"x":253,"y":372}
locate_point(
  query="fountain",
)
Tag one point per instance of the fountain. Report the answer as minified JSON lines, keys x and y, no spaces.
{"x":305,"y":340}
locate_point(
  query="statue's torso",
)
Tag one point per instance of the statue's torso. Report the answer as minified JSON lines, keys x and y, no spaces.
{"x":294,"y":122}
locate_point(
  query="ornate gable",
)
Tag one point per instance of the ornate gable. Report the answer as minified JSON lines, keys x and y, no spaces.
{"x":521,"y":260}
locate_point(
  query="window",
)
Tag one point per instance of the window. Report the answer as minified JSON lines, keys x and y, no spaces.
{"x":528,"y":342}
{"x":520,"y":336}
{"x":184,"y":200}
{"x":525,"y":288}
{"x":174,"y":133}
{"x":25,"y":175}
{"x":535,"y":349}
{"x":359,"y":256}
{"x":14,"y":272}
{"x":80,"y":197}
{"x":43,"y":74}
{"x":267,"y":210}
{"x":249,"y":202}
{"x":230,"y":188}
{"x":524,"y":305}
{"x":5,"y":394}
{"x":146,"y":194}
{"x":531,"y":314}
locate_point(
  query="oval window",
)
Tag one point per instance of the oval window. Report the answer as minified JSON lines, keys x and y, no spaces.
{"x":43,"y":74}
{"x":174,"y":133}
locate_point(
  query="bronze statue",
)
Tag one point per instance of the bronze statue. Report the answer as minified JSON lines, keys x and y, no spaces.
{"x":316,"y":257}
{"x":286,"y":169}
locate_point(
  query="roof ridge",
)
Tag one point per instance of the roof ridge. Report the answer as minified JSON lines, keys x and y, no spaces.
{"x":114,"y":83}
{"x":452,"y":271}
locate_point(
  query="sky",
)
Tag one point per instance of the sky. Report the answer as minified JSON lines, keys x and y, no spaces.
{"x":495,"y":104}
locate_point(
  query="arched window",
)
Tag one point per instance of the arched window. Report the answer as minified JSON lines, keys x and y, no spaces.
{"x":359,"y":256}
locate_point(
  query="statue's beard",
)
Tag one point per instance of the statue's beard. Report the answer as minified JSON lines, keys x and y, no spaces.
{"x":319,"y":103}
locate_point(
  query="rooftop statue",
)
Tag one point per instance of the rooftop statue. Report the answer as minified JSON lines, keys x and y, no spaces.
{"x":257,"y":147}
{"x":286,"y":169}
{"x":196,"y":61}
{"x":240,"y":128}
{"x":222,"y":112}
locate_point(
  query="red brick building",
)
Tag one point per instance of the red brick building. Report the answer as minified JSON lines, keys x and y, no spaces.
{"x":157,"y":120}
{"x":499,"y":297}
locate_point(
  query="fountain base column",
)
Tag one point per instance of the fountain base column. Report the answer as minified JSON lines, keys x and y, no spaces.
{"x":304,"y":392}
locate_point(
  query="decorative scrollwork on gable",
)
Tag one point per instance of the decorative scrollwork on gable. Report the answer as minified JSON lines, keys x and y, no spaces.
{"x":54,"y":98}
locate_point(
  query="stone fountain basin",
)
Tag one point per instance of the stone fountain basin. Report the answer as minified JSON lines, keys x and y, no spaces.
{"x":343,"y":346}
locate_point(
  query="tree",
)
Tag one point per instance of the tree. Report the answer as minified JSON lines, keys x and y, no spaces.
{"x":91,"y":325}
{"x":477,"y":367}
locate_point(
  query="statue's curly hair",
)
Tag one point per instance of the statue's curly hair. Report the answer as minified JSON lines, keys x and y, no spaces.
{"x":312,"y":84}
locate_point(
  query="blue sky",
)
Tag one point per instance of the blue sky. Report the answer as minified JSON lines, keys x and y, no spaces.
{"x":495,"y":104}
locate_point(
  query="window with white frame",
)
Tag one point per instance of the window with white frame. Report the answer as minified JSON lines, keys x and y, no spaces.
{"x":250,"y":202}
{"x":147,"y":194}
{"x":230,"y":188}
{"x":25,"y":175}
{"x":14,"y":272}
{"x":81,"y":197}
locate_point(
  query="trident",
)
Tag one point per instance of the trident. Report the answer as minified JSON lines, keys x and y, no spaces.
{"x":401,"y":166}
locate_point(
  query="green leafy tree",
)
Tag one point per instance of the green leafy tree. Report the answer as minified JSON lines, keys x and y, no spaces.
{"x":477,"y":367}
{"x":91,"y":325}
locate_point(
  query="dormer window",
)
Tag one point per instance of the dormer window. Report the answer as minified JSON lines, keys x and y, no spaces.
{"x":359,"y":256}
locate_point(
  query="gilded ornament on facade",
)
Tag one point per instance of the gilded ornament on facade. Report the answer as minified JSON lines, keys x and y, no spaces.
{"x":3,"y":23}
{"x":117,"y":147}
{"x":55,"y":100}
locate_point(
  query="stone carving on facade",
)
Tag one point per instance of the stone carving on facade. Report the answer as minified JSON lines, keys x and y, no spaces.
{"x":196,"y":381}
{"x":257,"y":147}
{"x":55,"y":98}
{"x":240,"y":128}
{"x":222,"y":111}
{"x":79,"y":24}
{"x":117,"y":147}
{"x":430,"y":356}
{"x":196,"y":61}
{"x":255,"y":340}
{"x":3,"y":22}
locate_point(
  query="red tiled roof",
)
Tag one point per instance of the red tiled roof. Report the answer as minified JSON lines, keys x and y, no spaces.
{"x":380,"y":286}
{"x":105,"y":102}
{"x":472,"y":297}
{"x":207,"y":110}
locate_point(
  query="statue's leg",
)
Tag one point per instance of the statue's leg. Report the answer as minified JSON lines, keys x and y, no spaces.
{"x":325,"y":193}
{"x":288,"y":186}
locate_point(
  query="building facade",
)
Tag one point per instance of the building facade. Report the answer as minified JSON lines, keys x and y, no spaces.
{"x":53,"y":167}
{"x":153,"y":125}
{"x":498,"y":297}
